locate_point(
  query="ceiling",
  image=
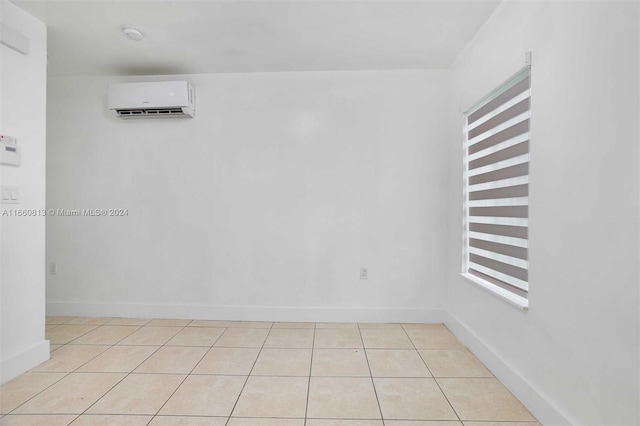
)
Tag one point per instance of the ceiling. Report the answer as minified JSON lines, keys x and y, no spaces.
{"x":216,"y":36}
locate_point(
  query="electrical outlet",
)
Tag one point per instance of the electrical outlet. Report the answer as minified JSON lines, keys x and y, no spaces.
{"x":53,"y":268}
{"x":364,"y":273}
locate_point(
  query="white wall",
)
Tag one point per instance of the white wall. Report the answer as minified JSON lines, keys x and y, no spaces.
{"x":578,"y":345}
{"x":22,"y":251}
{"x":263,"y":206}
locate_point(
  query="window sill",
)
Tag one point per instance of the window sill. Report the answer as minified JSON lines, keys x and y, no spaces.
{"x":513,"y":299}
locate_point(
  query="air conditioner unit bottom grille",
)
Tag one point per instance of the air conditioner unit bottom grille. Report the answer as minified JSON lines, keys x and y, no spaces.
{"x":150,"y":112}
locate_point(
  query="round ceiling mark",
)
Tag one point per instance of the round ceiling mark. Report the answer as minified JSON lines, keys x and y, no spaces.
{"x":132,"y":33}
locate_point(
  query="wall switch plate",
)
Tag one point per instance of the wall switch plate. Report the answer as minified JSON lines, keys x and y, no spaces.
{"x":10,"y":195}
{"x":53,"y":268}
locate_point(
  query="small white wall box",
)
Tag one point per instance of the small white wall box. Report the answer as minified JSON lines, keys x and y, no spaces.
{"x":9,"y":151}
{"x":152,"y":100}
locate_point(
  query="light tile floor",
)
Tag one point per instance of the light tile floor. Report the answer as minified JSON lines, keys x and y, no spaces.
{"x":120,"y":371}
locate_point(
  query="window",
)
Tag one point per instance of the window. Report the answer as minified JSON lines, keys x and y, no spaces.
{"x":496,"y":134}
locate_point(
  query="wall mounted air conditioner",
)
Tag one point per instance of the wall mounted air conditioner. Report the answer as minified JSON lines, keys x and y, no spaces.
{"x":156,"y":99}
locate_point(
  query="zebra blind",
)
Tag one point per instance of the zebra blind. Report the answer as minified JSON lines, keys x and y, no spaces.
{"x":497,"y":186}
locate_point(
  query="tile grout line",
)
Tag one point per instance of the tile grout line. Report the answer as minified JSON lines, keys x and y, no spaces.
{"x":66,"y":373}
{"x":375,"y":391}
{"x":110,"y":346}
{"x":432,"y":376}
{"x":249,"y":375}
{"x":130,"y":372}
{"x":313,"y":346}
{"x":153,"y":416}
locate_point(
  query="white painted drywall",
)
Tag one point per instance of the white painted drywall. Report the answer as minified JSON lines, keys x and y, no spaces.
{"x":263,"y":206}
{"x":22,"y":251}
{"x":578,"y":345}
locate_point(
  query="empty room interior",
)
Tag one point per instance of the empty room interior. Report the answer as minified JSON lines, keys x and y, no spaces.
{"x":320,"y":213}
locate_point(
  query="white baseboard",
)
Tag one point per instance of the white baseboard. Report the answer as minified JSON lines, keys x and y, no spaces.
{"x":246,"y":313}
{"x":23,"y":361}
{"x":533,"y":399}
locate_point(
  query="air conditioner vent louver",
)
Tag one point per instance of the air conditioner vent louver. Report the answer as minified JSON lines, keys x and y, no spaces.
{"x":150,"y":112}
{"x":152,"y":99}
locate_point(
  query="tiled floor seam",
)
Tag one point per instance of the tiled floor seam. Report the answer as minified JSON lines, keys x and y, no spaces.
{"x":83,"y":334}
{"x":71,"y":342}
{"x":375,"y":391}
{"x":235,"y":404}
{"x":313,"y":346}
{"x":130,"y":372}
{"x":73,"y":371}
{"x":187,"y":375}
{"x":434,"y":378}
{"x":29,"y":399}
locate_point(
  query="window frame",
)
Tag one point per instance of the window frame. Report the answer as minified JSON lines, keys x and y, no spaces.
{"x":491,"y":106}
